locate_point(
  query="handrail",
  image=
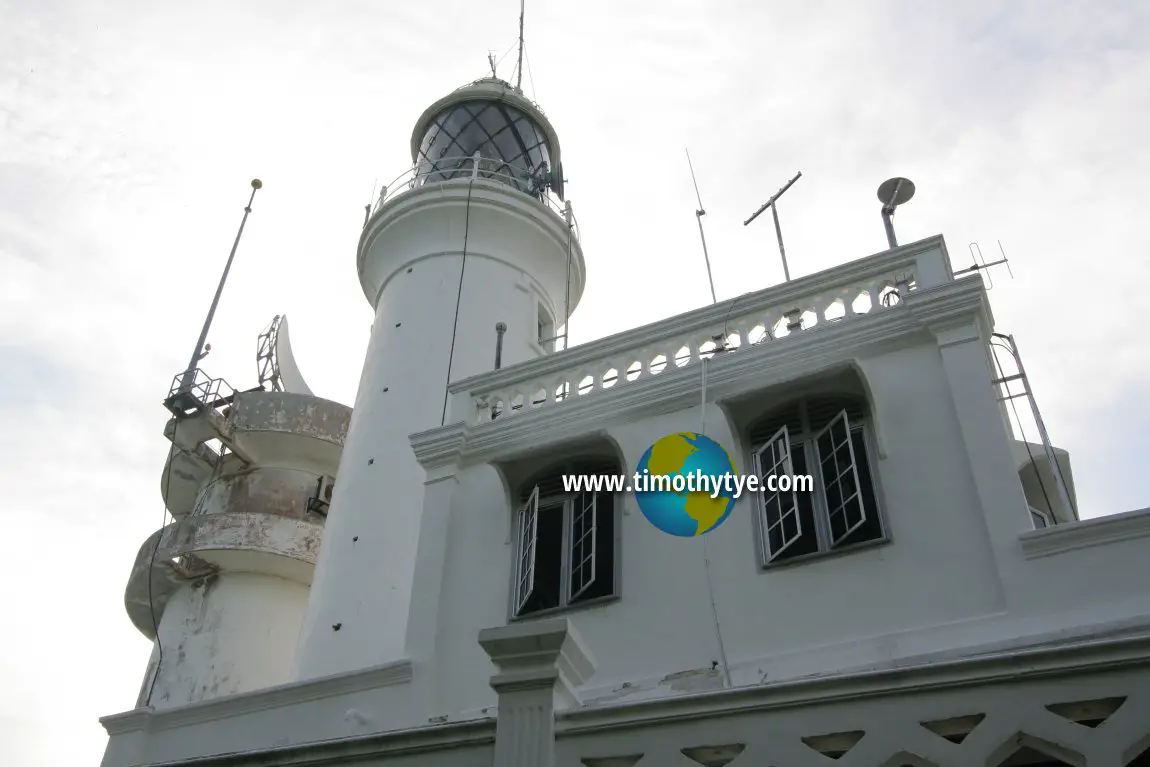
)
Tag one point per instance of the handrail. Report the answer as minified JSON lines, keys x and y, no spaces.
{"x":877,"y":283}
{"x":445,"y":169}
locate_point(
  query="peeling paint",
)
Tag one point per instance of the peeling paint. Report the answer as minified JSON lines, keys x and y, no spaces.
{"x":694,"y":680}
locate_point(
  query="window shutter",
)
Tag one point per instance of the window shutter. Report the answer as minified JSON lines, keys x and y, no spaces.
{"x":764,"y":430}
{"x":839,"y":469}
{"x":584,"y":521}
{"x":525,"y":566}
{"x":782,"y":526}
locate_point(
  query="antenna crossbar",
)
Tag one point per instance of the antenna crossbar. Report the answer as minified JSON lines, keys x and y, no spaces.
{"x":982,"y":266}
{"x":771,"y":203}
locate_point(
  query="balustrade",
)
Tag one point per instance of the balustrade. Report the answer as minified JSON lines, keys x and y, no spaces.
{"x":862,"y":288}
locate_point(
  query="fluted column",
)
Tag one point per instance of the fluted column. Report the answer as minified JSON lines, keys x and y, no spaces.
{"x":540,"y":666}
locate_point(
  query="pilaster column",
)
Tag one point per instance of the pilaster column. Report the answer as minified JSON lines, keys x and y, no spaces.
{"x":439,"y":458}
{"x":540,"y":665}
{"x":964,"y":359}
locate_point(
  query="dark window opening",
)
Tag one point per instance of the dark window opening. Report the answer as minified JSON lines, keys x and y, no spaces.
{"x":823,"y":438}
{"x":566,"y":545}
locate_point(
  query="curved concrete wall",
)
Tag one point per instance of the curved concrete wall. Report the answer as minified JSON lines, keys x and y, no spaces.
{"x":411,"y":252}
{"x":226,"y":635}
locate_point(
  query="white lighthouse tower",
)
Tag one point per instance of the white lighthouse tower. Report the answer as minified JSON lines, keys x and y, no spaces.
{"x":471,"y":260}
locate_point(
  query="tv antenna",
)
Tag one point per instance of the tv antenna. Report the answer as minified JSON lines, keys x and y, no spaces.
{"x":699,"y":213}
{"x":981,"y":265}
{"x":892,"y":193}
{"x":771,"y":203}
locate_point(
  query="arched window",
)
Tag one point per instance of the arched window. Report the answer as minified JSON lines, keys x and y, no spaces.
{"x":827,"y":502}
{"x":566,"y":537}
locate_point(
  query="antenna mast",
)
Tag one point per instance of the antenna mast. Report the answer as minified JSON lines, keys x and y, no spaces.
{"x":699,"y":213}
{"x":519,"y":67}
{"x":201,"y":350}
{"x":775,"y":214}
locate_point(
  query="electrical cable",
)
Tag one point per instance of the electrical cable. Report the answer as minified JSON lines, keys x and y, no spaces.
{"x":458,"y":300}
{"x":706,"y":554}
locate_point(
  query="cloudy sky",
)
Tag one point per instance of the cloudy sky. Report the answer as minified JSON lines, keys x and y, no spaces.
{"x":129,"y":132}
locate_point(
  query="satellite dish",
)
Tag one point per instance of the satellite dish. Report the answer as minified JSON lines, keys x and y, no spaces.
{"x":895,"y":191}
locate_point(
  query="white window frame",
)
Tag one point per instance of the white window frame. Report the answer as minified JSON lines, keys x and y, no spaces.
{"x":581,"y":533}
{"x":774,"y":458}
{"x":575,"y":508}
{"x":546,"y":328}
{"x":827,"y":542}
{"x":840,"y":472}
{"x":528,"y":534}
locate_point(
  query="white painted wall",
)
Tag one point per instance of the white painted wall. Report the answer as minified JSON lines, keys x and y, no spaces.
{"x":517,"y":255}
{"x":953,"y":561}
{"x":227,"y":635}
{"x":960,"y":577}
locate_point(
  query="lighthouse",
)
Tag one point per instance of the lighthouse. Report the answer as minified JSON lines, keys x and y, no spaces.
{"x":472,"y":257}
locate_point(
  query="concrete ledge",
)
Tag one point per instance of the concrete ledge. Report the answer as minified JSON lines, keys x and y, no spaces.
{"x":1085,"y":534}
{"x":1000,"y":668}
{"x":444,"y":738}
{"x":399,"y":672}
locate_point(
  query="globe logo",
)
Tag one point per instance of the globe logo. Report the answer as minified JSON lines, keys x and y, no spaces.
{"x":680,"y":485}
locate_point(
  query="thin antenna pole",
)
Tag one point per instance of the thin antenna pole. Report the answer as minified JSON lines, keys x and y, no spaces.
{"x":569,"y":217}
{"x":779,"y":237}
{"x":699,"y":213}
{"x":500,"y":329}
{"x":774,"y":212}
{"x":519,"y":67}
{"x":198,"y":354}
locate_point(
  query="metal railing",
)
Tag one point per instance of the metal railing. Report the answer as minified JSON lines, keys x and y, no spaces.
{"x":532,"y":182}
{"x":196,"y":392}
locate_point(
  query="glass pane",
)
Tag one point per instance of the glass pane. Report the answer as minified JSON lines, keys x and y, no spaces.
{"x":500,"y":133}
{"x":837,"y":464}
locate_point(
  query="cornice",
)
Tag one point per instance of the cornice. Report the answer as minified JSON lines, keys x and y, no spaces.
{"x":811,"y":352}
{"x":716,"y":314}
{"x":440,"y":447}
{"x":535,"y":655}
{"x":1085,"y":534}
{"x":1004,"y":667}
{"x":943,"y":311}
{"x":477,"y":192}
{"x":435,"y":738}
{"x":399,"y":672}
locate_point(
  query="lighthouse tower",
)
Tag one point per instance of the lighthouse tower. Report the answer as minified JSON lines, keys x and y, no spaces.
{"x":473,"y":258}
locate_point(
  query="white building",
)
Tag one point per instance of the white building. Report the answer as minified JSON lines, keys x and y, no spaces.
{"x":966,"y":616}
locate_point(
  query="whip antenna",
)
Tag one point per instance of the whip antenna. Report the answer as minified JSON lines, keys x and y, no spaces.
{"x":699,"y":213}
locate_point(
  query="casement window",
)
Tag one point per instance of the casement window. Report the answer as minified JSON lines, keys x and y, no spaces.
{"x":566,"y":549}
{"x":826,"y":438}
{"x":545,"y":329}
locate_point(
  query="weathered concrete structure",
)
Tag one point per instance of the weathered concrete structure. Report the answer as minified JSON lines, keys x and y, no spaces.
{"x":223,"y":585}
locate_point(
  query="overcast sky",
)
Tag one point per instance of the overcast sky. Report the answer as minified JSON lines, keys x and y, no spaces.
{"x":129,"y":132}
